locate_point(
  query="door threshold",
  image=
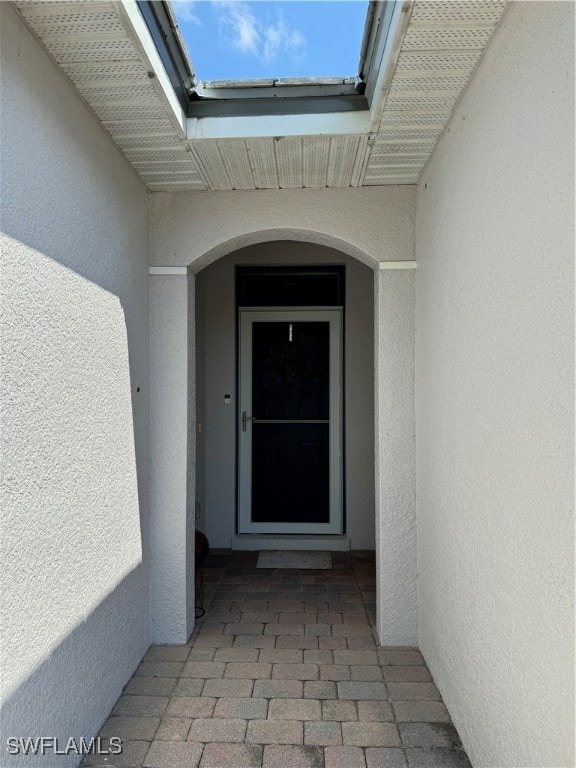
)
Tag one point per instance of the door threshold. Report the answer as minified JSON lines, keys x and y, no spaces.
{"x":253,"y":541}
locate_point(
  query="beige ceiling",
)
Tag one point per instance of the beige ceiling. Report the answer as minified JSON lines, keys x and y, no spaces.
{"x":441,"y":48}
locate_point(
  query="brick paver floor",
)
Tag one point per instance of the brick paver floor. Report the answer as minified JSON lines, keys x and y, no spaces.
{"x":284,"y":671}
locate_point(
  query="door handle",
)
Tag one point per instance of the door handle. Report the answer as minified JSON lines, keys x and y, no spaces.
{"x":245,"y":420}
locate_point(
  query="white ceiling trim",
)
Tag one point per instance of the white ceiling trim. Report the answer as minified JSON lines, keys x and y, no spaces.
{"x":168,"y":270}
{"x":138,"y":32}
{"x":397,"y":265}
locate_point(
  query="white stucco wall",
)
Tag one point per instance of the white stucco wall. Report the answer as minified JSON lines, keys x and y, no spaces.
{"x":171,"y":469}
{"x":396,"y":613}
{"x":494,"y":386}
{"x":217,"y":376}
{"x":196,"y":228}
{"x":75,"y":223}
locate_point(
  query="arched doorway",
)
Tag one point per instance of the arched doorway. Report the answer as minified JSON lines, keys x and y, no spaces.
{"x":187,"y":244}
{"x":219,"y":436}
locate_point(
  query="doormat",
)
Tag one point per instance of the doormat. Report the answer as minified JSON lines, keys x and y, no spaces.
{"x":292,"y":559}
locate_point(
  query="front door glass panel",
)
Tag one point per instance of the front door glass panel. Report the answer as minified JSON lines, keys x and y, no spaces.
{"x":290,"y":428}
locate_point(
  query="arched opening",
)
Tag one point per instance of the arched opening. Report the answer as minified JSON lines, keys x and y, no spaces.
{"x":378,"y":413}
{"x":219,"y":436}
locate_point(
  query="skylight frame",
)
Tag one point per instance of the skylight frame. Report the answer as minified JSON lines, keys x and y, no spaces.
{"x":163,"y":27}
{"x":313,"y":107}
{"x":282,"y":96}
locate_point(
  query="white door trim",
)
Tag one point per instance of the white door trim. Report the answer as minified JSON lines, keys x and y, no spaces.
{"x":247,"y":318}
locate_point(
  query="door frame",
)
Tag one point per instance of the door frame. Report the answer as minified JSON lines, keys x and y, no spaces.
{"x":244,"y":438}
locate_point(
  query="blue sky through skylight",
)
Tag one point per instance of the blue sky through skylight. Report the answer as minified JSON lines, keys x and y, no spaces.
{"x":237,"y":39}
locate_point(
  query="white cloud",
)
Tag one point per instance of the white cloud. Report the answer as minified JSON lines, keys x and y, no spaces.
{"x":185,"y":10}
{"x":247,"y":37}
{"x":238,"y":25}
{"x":256,"y":36}
{"x":278,"y":37}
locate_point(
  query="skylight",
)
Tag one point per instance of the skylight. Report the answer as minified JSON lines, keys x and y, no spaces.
{"x":241,"y":39}
{"x":259,"y":51}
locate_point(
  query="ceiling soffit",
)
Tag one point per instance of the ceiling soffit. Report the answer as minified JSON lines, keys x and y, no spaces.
{"x":94,"y":44}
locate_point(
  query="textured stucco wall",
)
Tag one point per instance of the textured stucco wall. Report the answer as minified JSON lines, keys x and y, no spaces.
{"x":494,"y":384}
{"x":74,"y":284}
{"x":395,"y":457}
{"x":190,"y":604}
{"x":370,"y":224}
{"x":170,"y":605}
{"x":217,"y":376}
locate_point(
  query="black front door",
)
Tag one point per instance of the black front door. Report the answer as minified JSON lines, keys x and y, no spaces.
{"x":289,"y":421}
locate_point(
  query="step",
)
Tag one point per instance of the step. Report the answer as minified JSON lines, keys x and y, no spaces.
{"x":254,"y":541}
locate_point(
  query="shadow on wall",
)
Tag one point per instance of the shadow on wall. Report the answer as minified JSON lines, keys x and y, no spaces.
{"x":77,"y":679}
{"x":74,"y":527}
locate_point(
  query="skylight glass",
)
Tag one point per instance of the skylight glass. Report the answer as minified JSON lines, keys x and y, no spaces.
{"x":238,"y":39}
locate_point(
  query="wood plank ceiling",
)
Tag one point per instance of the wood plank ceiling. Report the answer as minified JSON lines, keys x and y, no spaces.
{"x":441,"y":48}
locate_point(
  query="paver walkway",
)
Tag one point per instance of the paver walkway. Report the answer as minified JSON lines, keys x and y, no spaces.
{"x":284,"y":672}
